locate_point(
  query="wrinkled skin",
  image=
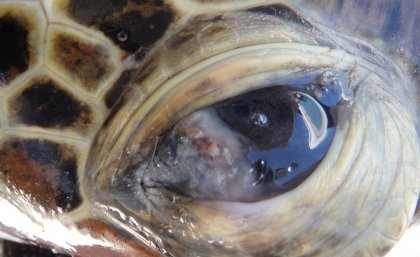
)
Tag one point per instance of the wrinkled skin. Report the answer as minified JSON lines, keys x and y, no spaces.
{"x":397,"y":24}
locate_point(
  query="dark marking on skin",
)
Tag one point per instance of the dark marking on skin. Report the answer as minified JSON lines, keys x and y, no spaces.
{"x":217,"y":18}
{"x":142,"y":31}
{"x":90,"y":12}
{"x":187,"y":34}
{"x":13,"y":249}
{"x":155,"y":2}
{"x":282,"y":12}
{"x":118,"y":88}
{"x":14,"y":48}
{"x":117,"y":106}
{"x":150,"y":65}
{"x":133,"y":25}
{"x":46,"y":105}
{"x":43,"y":169}
{"x":89,"y":63}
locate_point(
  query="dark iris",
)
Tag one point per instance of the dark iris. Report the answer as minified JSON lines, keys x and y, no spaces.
{"x":290,"y":165}
{"x":265,"y":116}
{"x":280,"y":155}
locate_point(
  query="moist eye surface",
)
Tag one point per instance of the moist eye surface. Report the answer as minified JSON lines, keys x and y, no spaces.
{"x":247,"y":148}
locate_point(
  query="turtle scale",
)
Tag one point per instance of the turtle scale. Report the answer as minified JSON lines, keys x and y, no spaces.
{"x":43,"y":169}
{"x":130,"y":24}
{"x":81,"y":60}
{"x":55,"y":96}
{"x":22,"y":46}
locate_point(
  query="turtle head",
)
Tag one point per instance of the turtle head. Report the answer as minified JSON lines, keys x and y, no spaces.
{"x":257,"y":131}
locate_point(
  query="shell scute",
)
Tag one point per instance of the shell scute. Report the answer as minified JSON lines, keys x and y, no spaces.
{"x":43,"y":169}
{"x":81,"y":59}
{"x":92,"y":12}
{"x":44,"y":103}
{"x":20,"y":33}
{"x":132,"y":25}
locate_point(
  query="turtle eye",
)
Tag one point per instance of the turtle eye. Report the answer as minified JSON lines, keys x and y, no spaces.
{"x":258,"y":134}
{"x":249,"y":147}
{"x":246,"y":148}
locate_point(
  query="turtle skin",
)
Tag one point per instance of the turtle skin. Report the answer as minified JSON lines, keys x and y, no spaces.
{"x":64,"y":65}
{"x":67,"y":70}
{"x":62,"y":71}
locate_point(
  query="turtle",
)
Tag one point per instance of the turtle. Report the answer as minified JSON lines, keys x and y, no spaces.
{"x":209,"y":127}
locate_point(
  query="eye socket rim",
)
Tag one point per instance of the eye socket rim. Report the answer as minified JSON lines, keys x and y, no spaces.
{"x":195,"y":81}
{"x":204,"y":212}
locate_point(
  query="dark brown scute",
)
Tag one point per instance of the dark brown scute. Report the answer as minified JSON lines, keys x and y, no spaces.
{"x":118,"y":88}
{"x":89,"y":63}
{"x":282,"y":12}
{"x":132,"y":25}
{"x":141,"y":31}
{"x":14,"y":48}
{"x":156,"y":2}
{"x":46,"y":105}
{"x":90,"y":12}
{"x":45,"y":170}
{"x":13,"y":249}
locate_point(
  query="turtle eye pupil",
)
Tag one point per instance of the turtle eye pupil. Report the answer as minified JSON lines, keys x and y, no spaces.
{"x":258,"y":119}
{"x":246,"y":148}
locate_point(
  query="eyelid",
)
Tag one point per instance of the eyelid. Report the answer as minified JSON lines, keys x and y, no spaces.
{"x":378,"y":115}
{"x":223,"y":76}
